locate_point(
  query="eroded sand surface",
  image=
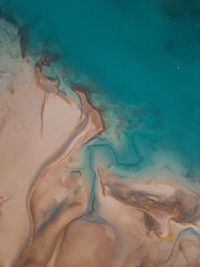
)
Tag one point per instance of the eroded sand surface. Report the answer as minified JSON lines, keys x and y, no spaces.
{"x":44,"y":214}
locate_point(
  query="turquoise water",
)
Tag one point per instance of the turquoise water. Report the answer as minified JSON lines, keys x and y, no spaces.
{"x":142,"y":56}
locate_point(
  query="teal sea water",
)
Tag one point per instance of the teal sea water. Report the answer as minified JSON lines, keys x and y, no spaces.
{"x":141,"y":59}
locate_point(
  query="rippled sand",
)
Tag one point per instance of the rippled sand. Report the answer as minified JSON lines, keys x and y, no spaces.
{"x":44,"y":215}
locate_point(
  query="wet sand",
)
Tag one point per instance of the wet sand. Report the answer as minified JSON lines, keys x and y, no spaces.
{"x":44,"y":215}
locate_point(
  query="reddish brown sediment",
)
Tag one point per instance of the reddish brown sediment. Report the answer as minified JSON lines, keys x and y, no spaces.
{"x":162,"y":197}
{"x":42,"y":114}
{"x":87,"y":94}
{"x":151,"y":216}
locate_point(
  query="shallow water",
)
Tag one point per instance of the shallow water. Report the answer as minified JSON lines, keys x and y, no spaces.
{"x":143,"y":57}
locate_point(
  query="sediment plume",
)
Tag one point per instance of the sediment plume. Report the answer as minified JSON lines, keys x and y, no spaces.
{"x":45,"y":219}
{"x":157,"y":218}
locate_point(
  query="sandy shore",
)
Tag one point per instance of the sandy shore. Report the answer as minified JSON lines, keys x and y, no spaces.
{"x":44,"y":216}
